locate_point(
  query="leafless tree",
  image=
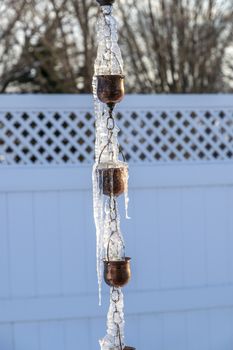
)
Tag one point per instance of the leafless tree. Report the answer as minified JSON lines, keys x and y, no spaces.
{"x":176,"y":45}
{"x":85,"y":13}
{"x":168,"y":45}
{"x":11,"y":12}
{"x":49,"y":46}
{"x":228,"y":76}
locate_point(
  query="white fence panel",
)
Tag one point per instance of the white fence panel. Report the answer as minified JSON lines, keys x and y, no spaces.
{"x":180,"y":236}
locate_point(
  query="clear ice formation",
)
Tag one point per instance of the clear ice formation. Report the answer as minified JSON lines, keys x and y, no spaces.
{"x":114,"y":339}
{"x":109,"y":59}
{"x":109,"y":240}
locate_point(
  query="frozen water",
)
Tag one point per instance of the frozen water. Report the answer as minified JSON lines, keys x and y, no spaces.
{"x":109,"y":239}
{"x":109,"y":60}
{"x":114,"y":248}
{"x":114,"y":340}
{"x":98,"y":217}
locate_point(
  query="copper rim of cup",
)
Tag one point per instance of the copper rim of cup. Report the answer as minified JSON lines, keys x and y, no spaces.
{"x":117,"y":273}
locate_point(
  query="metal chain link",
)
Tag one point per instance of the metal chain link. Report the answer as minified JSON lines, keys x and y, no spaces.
{"x":110,"y":126}
{"x":116,"y":313}
{"x":113,"y":220}
{"x":113,"y":223}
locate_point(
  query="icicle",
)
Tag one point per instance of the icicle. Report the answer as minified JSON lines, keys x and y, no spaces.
{"x":114,"y":339}
{"x":126,"y":195}
{"x":98,"y":217}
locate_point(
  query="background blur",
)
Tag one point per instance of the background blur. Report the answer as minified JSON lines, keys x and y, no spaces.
{"x":179,"y":147}
{"x":168,"y":45}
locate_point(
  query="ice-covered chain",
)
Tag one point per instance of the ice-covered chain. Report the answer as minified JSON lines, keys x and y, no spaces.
{"x":110,"y":175}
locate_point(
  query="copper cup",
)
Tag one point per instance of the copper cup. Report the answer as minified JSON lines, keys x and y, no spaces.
{"x":110,"y":88}
{"x":105,"y":2}
{"x":113,"y":180}
{"x":117,"y":273}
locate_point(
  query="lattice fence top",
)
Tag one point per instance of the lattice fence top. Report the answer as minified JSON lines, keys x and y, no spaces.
{"x":152,"y":133}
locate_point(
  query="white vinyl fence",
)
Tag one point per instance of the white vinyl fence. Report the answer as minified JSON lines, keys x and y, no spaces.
{"x":180,"y":236}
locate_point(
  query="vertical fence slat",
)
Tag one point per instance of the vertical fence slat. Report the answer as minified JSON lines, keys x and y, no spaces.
{"x":198,"y":330}
{"x":146,"y":236}
{"x":6,"y":337}
{"x":229,"y":210}
{"x":171,"y":250}
{"x":221,"y":319}
{"x":151,"y":332}
{"x":71,"y":222}
{"x":21,"y":244}
{"x":193,"y":237}
{"x":26,"y":336}
{"x":4,"y":258}
{"x":175,"y":326}
{"x":215,"y":232}
{"x":97,"y":331}
{"x":48,"y":249}
{"x":90,"y":258}
{"x":132,"y":329}
{"x":77,"y":335}
{"x":52,"y":336}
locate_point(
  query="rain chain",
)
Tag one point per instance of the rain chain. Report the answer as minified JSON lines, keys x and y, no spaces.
{"x":110,"y":176}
